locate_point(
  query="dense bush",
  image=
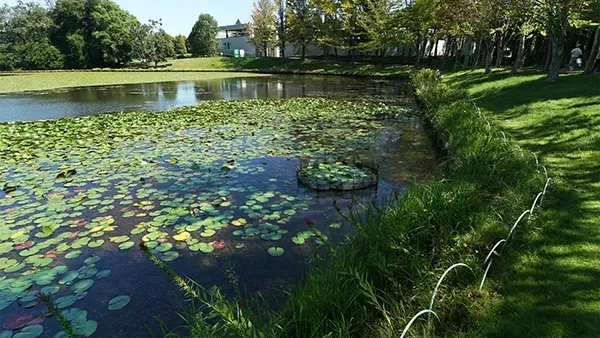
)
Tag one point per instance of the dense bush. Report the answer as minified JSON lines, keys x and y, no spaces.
{"x":39,"y":55}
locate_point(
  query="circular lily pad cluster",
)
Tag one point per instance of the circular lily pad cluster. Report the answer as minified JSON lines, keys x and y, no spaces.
{"x":337,"y":176}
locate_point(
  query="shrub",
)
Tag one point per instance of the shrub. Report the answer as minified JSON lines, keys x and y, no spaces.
{"x":39,"y":55}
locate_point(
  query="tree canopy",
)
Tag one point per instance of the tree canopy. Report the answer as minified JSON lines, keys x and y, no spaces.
{"x":203,"y":38}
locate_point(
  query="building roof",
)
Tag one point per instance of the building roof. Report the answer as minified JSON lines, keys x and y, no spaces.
{"x":237,"y":27}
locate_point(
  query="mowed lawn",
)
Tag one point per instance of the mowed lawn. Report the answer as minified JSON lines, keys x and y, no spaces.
{"x":553,"y":290}
{"x":19,"y":82}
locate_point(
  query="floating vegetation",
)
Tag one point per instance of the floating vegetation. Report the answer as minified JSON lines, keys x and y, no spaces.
{"x":206,"y":181}
{"x":337,"y":176}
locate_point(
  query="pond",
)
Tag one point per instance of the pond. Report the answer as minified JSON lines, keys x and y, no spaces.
{"x":212,"y":190}
{"x":72,"y":102}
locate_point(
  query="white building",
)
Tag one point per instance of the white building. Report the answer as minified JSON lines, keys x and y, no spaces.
{"x":236,"y":36}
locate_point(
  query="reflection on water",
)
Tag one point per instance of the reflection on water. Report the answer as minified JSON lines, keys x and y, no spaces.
{"x":162,"y":96}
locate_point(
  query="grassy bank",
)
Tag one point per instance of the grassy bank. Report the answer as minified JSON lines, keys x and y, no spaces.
{"x":291,"y":66}
{"x":553,"y":288}
{"x":379,"y":278}
{"x":20,"y":82}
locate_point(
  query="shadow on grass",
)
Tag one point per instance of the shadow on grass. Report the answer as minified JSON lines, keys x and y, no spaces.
{"x":552,"y":286}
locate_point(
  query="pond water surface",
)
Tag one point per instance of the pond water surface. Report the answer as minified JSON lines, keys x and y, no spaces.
{"x":70,"y":102}
{"x":219,"y":202}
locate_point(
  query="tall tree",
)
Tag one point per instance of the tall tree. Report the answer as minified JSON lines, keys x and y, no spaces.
{"x":416,"y":20}
{"x":301,"y":24}
{"x":108,"y":34}
{"x":203,"y":38}
{"x":282,"y":29}
{"x":524,"y":14}
{"x":25,"y":41}
{"x":152,"y":43}
{"x":262,"y":29}
{"x":180,"y":45}
{"x":328,"y":26}
{"x":557,"y":21}
{"x":69,"y":31}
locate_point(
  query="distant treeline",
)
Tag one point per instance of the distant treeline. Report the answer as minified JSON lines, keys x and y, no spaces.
{"x":76,"y":34}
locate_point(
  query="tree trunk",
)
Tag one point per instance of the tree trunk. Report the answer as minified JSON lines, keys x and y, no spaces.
{"x":435,"y":52}
{"x":418,"y":52}
{"x":447,"y":48}
{"x":520,"y":55}
{"x":467,"y":53}
{"x":489,"y":45}
{"x":589,"y":66}
{"x":500,"y":50}
{"x":548,"y":56}
{"x":557,"y":32}
{"x":303,"y":51}
{"x":458,"y":52}
{"x":478,"y":55}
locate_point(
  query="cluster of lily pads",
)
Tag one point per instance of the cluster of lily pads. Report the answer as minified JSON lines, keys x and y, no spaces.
{"x":194,"y":179}
{"x":337,"y":176}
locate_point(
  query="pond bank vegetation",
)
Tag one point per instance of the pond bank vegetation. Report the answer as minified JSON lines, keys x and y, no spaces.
{"x":385,"y":273}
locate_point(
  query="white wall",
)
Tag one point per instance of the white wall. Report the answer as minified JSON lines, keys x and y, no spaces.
{"x":236,"y":43}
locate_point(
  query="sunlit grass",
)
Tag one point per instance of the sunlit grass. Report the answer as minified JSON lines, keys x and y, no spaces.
{"x":554,"y":288}
{"x":19,"y":82}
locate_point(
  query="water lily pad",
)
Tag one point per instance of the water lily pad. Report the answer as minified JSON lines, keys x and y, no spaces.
{"x":208,"y":233}
{"x":164,"y":247}
{"x":298,"y":240}
{"x":82,"y":286}
{"x":119,"y":239}
{"x":126,"y":245}
{"x":118,"y":302}
{"x":275,"y":251}
{"x":103,"y":274}
{"x":87,"y":329}
{"x":183,"y":236}
{"x":239,"y":222}
{"x":96,"y":244}
{"x":92,"y":260}
{"x":69,"y":277}
{"x":32,"y":331}
{"x":170,"y":256}
{"x":50,"y":290}
{"x":203,"y":247}
{"x":73,"y":254}
{"x":64,"y":302}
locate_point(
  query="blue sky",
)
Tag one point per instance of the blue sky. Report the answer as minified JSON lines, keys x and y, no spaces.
{"x":180,"y":15}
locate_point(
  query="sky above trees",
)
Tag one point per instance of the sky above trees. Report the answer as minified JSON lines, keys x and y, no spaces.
{"x":178,"y":17}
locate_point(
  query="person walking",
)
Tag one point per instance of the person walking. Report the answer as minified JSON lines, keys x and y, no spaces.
{"x":575,"y":55}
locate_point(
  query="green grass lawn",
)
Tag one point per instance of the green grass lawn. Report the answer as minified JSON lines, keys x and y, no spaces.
{"x":553,"y":287}
{"x":279,"y":65}
{"x":19,"y":82}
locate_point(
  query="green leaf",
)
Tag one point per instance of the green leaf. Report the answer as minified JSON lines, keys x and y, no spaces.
{"x":118,"y":302}
{"x":33,"y":331}
{"x":275,"y":251}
